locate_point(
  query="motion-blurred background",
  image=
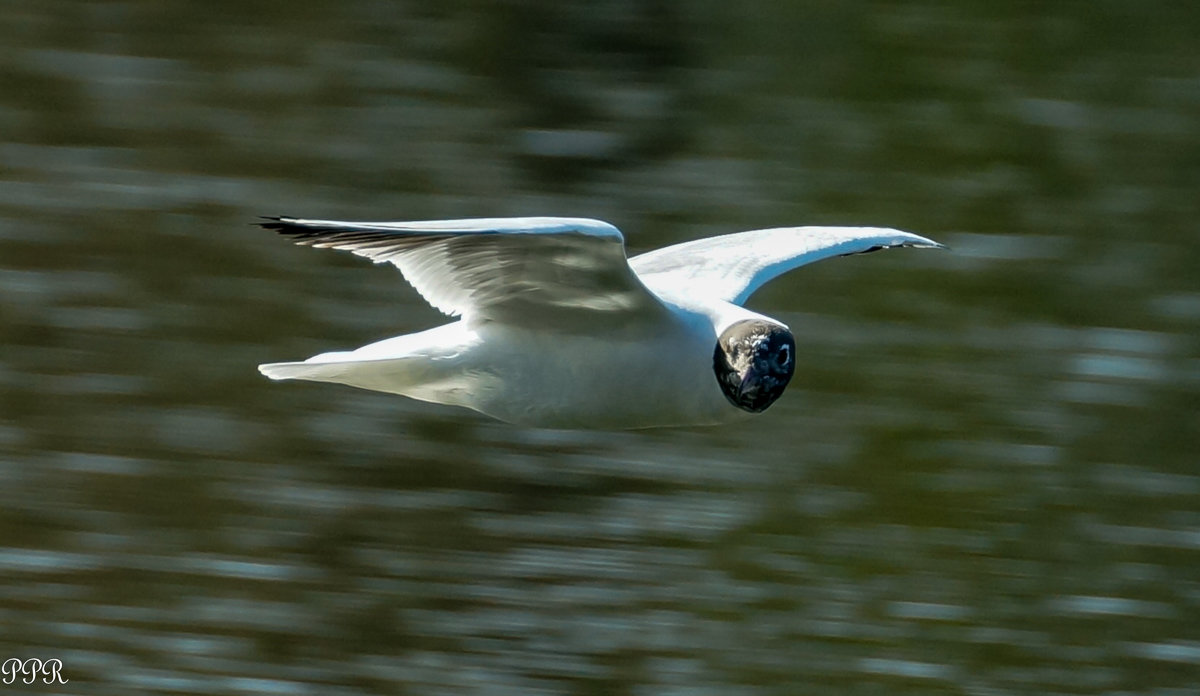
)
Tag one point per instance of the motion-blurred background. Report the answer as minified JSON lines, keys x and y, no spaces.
{"x":983,"y":480}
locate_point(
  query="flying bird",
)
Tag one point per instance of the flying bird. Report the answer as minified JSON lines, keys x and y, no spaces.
{"x":557,"y":328}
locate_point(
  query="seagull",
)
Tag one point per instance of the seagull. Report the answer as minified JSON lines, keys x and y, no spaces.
{"x":557,"y":328}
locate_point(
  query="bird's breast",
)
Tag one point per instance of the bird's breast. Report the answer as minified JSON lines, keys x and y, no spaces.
{"x":583,"y":381}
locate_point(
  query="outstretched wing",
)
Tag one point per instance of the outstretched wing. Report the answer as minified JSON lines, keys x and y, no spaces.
{"x":733,"y":266}
{"x":563,"y":273}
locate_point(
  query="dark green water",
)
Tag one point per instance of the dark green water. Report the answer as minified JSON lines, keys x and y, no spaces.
{"x":984,"y":479}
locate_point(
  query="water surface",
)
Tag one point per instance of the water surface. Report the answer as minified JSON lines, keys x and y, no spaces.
{"x":982,"y":481}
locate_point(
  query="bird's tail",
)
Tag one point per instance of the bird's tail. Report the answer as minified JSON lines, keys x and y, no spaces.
{"x":317,"y":369}
{"x":416,"y":365}
{"x":409,"y":375}
{"x":320,"y":372}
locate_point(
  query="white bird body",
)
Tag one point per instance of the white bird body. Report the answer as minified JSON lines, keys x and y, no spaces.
{"x":558,"y":331}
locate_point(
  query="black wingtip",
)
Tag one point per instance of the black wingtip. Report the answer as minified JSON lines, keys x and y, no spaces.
{"x":274,"y":222}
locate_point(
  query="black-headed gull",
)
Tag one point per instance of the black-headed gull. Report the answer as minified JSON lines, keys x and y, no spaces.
{"x":559,"y":329}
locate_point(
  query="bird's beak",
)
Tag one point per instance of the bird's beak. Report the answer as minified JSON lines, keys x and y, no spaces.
{"x":750,"y":384}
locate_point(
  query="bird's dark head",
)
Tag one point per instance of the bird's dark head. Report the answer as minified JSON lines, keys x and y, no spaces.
{"x":754,"y":361}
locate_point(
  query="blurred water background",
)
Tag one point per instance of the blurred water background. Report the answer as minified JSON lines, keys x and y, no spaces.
{"x":983,"y":481}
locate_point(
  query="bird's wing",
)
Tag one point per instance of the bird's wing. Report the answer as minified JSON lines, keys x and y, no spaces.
{"x":564,"y":273}
{"x":733,"y":266}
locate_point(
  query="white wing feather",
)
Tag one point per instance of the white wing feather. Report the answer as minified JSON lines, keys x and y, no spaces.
{"x":731,"y":267}
{"x":560,"y":273}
